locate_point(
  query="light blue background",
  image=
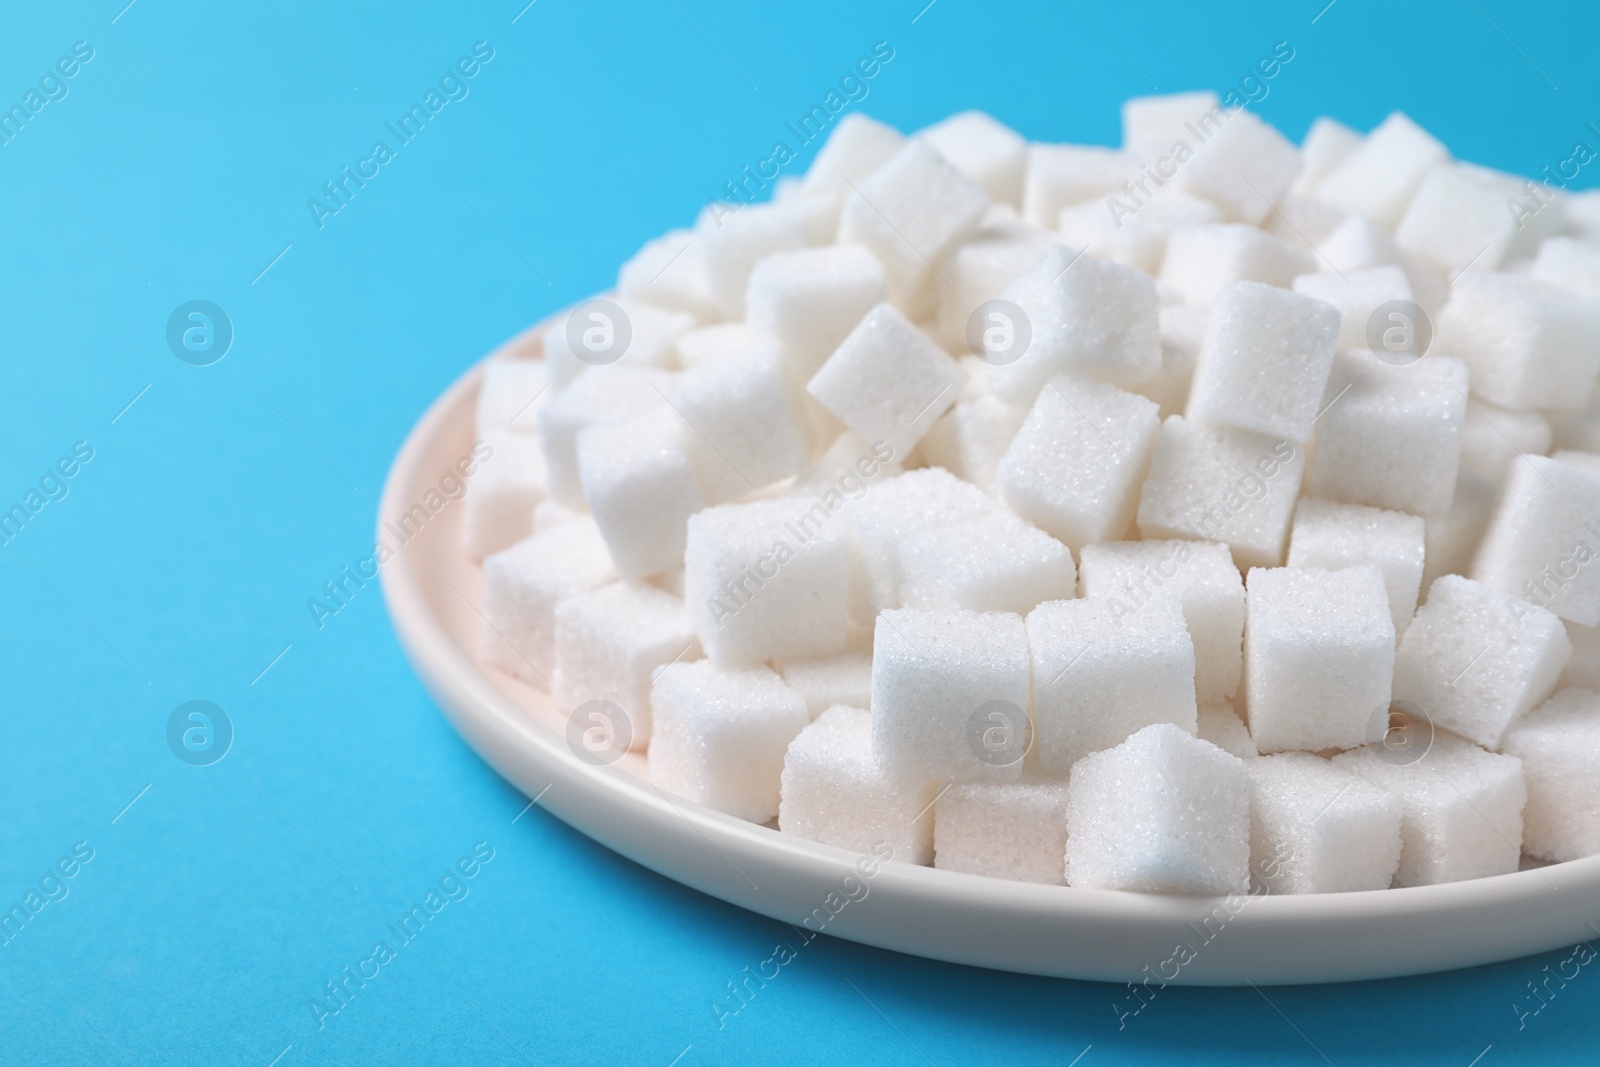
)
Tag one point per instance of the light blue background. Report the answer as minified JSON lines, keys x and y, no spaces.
{"x":180,"y":564}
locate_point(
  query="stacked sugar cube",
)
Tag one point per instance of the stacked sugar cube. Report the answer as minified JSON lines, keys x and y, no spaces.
{"x":1196,"y":516}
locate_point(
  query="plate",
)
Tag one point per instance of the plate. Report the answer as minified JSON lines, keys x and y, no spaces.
{"x":432,"y":589}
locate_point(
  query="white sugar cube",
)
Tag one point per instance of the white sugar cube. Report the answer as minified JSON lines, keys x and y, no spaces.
{"x":1102,"y":672}
{"x":882,"y":521}
{"x":548,"y":514}
{"x":1015,"y":830}
{"x":1221,"y":725}
{"x":1458,"y":218}
{"x":1302,"y":221}
{"x":732,"y":242}
{"x":911,"y":211}
{"x":720,"y":736}
{"x":1358,"y":243}
{"x":641,"y":490}
{"x":511,"y":479}
{"x":1213,"y":483}
{"x":1559,"y":746}
{"x":808,"y":300}
{"x":979,"y":270}
{"x":1319,"y":828}
{"x":1183,"y":332}
{"x":522,"y":586}
{"x":599,"y":395}
{"x":1332,"y":536}
{"x":1085,"y":317}
{"x":972,"y":438}
{"x":856,"y":148}
{"x":1571,"y":264}
{"x":937,"y":676}
{"x":849,"y":466}
{"x":1544,"y":540}
{"x":669,"y":273}
{"x":1163,"y":812}
{"x":1527,"y":343}
{"x":1203,"y":580}
{"x":1380,"y":177}
{"x":1201,"y":261}
{"x":1452,"y":536}
{"x":1357,"y":294}
{"x":1493,"y":438}
{"x":1583,"y":669}
{"x":988,"y":563}
{"x":1328,"y":143}
{"x":1390,"y":436}
{"x":1076,"y":466}
{"x":887,"y":381}
{"x":717,"y":342}
{"x":1475,"y":659}
{"x":1265,"y":361}
{"x":1061,"y":175}
{"x":1461,"y":808}
{"x":626,"y":334}
{"x":1153,"y":124}
{"x":989,"y":152}
{"x":1319,"y":655}
{"x":845,"y":678}
{"x":1136,"y":237}
{"x":743,"y":426}
{"x":766,"y":580}
{"x":835,"y":792}
{"x":1245,"y":168}
{"x":610,"y":643}
{"x":510,"y":394}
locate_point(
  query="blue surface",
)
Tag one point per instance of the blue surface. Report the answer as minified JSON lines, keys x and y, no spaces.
{"x":176,"y":167}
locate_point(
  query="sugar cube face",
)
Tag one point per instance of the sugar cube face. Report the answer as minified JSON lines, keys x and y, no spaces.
{"x":648,"y":340}
{"x":1201,"y":261}
{"x":1015,"y":830}
{"x":1332,"y":536}
{"x":972,"y":438}
{"x":766,"y":580}
{"x":732,"y":242}
{"x":599,"y":395}
{"x":1461,"y":808}
{"x":1245,"y":167}
{"x":1328,"y":143}
{"x":669,"y":273}
{"x":1061,"y":175}
{"x":610,"y":643}
{"x":1544,"y":539}
{"x":1474,"y":659}
{"x":1390,"y":436}
{"x":1076,"y":466}
{"x":720,"y":736}
{"x":509,"y":396}
{"x":641,"y":490}
{"x":936,"y":678}
{"x":1319,"y":656}
{"x":1452,"y":536}
{"x":1357,"y":294}
{"x":989,"y":152}
{"x":1302,"y":221}
{"x":1570,"y":263}
{"x":1380,"y":177}
{"x":1205,"y":583}
{"x":522,"y":586}
{"x":1163,"y":812}
{"x":548,"y":514}
{"x":742,"y":426}
{"x":1183,"y":331}
{"x":1135,"y":236}
{"x":835,"y":792}
{"x":1156,"y":123}
{"x":509,"y":483}
{"x":808,"y":300}
{"x":856,"y":148}
{"x":882,"y":521}
{"x":1086,"y":317}
{"x":911,"y":211}
{"x":1213,"y":483}
{"x":1221,"y":725}
{"x":719,"y":341}
{"x":1493,"y":438}
{"x":1101,"y":673}
{"x":988,"y":563}
{"x":1458,"y":218}
{"x":1265,"y":362}
{"x":1583,"y":669}
{"x":980,"y":269}
{"x":1356,"y":244}
{"x":1527,"y":343}
{"x":887,"y":381}
{"x":845,"y":678}
{"x":1319,"y":828}
{"x":1559,"y":746}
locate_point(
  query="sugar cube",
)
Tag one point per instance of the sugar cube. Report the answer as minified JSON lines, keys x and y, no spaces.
{"x":808,"y":301}
{"x":1493,"y":438}
{"x":1380,"y":177}
{"x":510,"y":480}
{"x":979,"y":270}
{"x":1458,"y":218}
{"x":1245,"y":167}
{"x":719,"y":341}
{"x":1358,"y":294}
{"x":1527,"y":343}
{"x":669,"y":273}
{"x":882,"y":520}
{"x":1201,"y":261}
{"x":1183,"y":331}
{"x":1153,"y":124}
{"x":641,"y":490}
{"x":611,"y":333}
{"x":972,"y":438}
{"x":844,"y":678}
{"x":510,"y":394}
{"x":1015,"y":830}
{"x":742,"y":426}
{"x":1332,"y":536}
{"x":732,"y":242}
{"x":987,"y":151}
{"x":988,"y":563}
{"x":1328,"y":143}
{"x":1061,"y":175}
{"x":1452,"y":536}
{"x":1302,"y":221}
{"x":1135,"y":236}
{"x":1559,"y":746}
{"x":1320,"y":828}
{"x":599,"y":395}
{"x":1571,"y":264}
{"x":1544,"y":539}
{"x":1163,"y":812}
{"x":855,"y":149}
{"x":523,"y":584}
{"x":1221,"y":725}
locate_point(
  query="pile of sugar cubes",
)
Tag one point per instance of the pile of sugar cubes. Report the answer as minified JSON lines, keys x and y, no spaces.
{"x":1193,"y":517}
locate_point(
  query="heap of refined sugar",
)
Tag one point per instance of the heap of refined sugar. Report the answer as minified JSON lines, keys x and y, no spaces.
{"x":844,"y":678}
{"x":610,"y":643}
{"x":1319,"y":828}
{"x":1559,"y":746}
{"x":950,"y":694}
{"x":1318,"y":656}
{"x":641,"y":490}
{"x":1221,"y":725}
{"x":1332,"y":536}
{"x":1204,"y":581}
{"x":1015,"y":830}
{"x":836,"y":792}
{"x":1163,"y":812}
{"x":1075,"y":467}
{"x":720,"y":736}
{"x":983,"y":563}
{"x":1103,"y":671}
{"x":1544,"y":540}
{"x":1474,"y":659}
{"x":1461,"y":808}
{"x":523,"y":584}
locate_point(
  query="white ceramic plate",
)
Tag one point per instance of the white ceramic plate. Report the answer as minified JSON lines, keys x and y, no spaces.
{"x":432,"y":591}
